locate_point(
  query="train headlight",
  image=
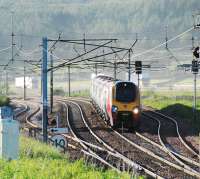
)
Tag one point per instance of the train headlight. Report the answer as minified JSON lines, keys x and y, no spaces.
{"x":136,"y":110}
{"x":114,"y":109}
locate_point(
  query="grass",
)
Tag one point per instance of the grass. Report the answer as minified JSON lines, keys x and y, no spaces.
{"x":40,"y":161}
{"x":161,"y":100}
{"x":78,"y":93}
{"x":83,"y":93}
{"x":179,"y":104}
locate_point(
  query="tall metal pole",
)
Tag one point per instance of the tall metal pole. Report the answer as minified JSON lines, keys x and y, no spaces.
{"x":196,"y":26}
{"x":24,"y":81}
{"x":12,"y":59}
{"x":44,"y":90}
{"x":104,"y":60}
{"x":129,"y":65}
{"x":166,"y":38}
{"x":69,"y":81}
{"x":195,"y":95}
{"x":115,"y":67}
{"x":51,"y":83}
{"x":6,"y":83}
{"x":115,"y":70}
{"x":138,"y":80}
{"x":95,"y":69}
{"x":192,"y":42}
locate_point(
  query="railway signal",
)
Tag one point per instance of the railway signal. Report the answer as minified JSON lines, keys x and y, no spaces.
{"x":138,"y":67}
{"x":138,"y":70}
{"x":196,"y":52}
{"x":195,"y":66}
{"x":195,"y":70}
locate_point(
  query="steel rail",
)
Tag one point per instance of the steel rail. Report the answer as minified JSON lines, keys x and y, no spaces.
{"x":86,"y":148}
{"x":187,"y":170}
{"x":162,"y":148}
{"x":104,"y":143}
{"x":147,"y":171}
{"x":87,"y":151}
{"x":167,"y":150}
{"x":177,"y":130}
{"x":22,"y":111}
{"x":28,"y":121}
{"x":84,"y":151}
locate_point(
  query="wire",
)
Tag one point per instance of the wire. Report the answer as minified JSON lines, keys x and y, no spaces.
{"x":54,"y":55}
{"x":160,"y":45}
{"x":5,"y":49}
{"x":28,"y":52}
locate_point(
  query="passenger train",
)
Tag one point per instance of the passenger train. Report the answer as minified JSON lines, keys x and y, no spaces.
{"x":118,"y":101}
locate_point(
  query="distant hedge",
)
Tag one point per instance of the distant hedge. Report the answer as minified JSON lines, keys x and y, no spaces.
{"x":59,"y":92}
{"x":4,"y":101}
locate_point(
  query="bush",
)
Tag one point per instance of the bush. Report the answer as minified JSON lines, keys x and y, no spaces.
{"x":4,"y":101}
{"x":81,"y":93}
{"x":59,"y":92}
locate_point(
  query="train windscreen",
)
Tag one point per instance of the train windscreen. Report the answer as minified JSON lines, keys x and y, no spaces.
{"x":125,"y":92}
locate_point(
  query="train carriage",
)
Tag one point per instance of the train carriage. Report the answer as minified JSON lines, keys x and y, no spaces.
{"x":118,"y":101}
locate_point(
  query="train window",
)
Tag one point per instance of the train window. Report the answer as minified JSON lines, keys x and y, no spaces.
{"x":125,"y":92}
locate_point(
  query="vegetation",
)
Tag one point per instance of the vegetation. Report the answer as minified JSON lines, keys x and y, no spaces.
{"x":103,"y":16}
{"x":59,"y":92}
{"x":41,"y":161}
{"x":110,"y":17}
{"x":180,"y":105}
{"x":4,"y":101}
{"x":81,"y":93}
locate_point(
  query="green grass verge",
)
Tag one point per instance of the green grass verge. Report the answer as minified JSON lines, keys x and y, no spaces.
{"x":179,"y":104}
{"x":40,"y":161}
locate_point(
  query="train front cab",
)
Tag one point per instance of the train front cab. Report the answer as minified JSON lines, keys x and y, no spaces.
{"x":126,"y":105}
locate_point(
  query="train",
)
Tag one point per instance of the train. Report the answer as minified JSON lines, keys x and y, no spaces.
{"x":118,"y":101}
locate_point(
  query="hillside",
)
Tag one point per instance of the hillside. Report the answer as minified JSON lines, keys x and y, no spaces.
{"x":114,"y":17}
{"x":97,"y":19}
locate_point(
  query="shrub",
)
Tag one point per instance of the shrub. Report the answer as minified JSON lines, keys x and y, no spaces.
{"x":4,"y":101}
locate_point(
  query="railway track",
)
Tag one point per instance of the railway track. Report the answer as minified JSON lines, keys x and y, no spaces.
{"x":25,"y":115}
{"x":93,"y":144}
{"x":20,"y":110}
{"x":178,"y":147}
{"x":86,"y":145}
{"x":89,"y":141}
{"x":176,"y":126}
{"x":147,"y":153}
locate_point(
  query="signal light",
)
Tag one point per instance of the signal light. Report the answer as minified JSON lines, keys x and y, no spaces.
{"x":196,"y":52}
{"x":138,"y":67}
{"x":195,"y":66}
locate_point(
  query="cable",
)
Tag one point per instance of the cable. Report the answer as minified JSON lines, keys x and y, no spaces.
{"x":158,"y":46}
{"x":5,"y":49}
{"x":181,"y":48}
{"x":27,"y":53}
{"x":54,"y":55}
